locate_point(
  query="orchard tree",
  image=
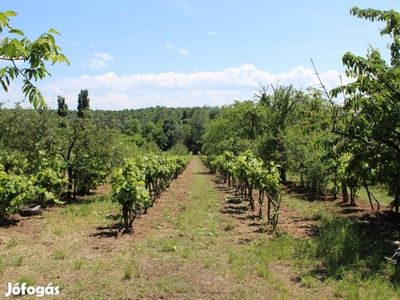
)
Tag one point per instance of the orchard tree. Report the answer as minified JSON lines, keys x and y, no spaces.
{"x":18,"y":48}
{"x":280,"y":107}
{"x":369,"y":117}
{"x":232,"y":131}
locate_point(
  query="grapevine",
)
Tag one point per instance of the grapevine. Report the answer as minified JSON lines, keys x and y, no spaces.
{"x":245,"y":172}
{"x":141,"y":180}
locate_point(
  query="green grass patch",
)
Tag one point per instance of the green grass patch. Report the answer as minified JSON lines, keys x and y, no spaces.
{"x":59,"y":254}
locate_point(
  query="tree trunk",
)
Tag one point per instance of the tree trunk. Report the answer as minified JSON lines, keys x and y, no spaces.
{"x":345,"y":194}
{"x":368,"y":193}
{"x":260,"y":201}
{"x":336,"y":187}
{"x":283,"y":174}
{"x":396,"y":197}
{"x":125,"y":215}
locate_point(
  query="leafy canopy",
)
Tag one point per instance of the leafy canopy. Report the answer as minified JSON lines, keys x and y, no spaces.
{"x":368,"y":121}
{"x":18,"y":48}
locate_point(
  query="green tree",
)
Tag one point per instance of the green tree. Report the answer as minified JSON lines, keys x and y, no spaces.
{"x":280,"y":110}
{"x":62,"y":109}
{"x":33,"y":55}
{"x":25,"y":132}
{"x":132,"y":126}
{"x":199,"y":119}
{"x":170,"y":128}
{"x":369,"y":117}
{"x":233,"y":130}
{"x":83,"y":103}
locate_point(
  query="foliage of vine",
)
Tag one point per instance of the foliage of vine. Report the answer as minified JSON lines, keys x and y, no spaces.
{"x":141,"y":180}
{"x":246,"y":172}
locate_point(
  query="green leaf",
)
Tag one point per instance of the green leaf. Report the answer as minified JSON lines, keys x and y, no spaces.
{"x":52,"y":30}
{"x":19,"y":46}
{"x":4,"y":85}
{"x":16,"y":31}
{"x":10,"y":13}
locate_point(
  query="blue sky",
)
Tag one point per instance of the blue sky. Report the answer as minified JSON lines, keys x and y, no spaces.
{"x":140,"y":53}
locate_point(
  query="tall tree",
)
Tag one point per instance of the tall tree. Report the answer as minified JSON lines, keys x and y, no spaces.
{"x":83,"y":103}
{"x":280,"y":107}
{"x":62,"y":109}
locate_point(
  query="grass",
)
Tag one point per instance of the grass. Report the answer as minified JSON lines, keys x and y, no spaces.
{"x":378,"y":192}
{"x":192,"y":252}
{"x":59,"y":254}
{"x":12,"y":242}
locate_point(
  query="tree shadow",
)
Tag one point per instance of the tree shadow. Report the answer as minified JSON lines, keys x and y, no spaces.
{"x":107,"y":231}
{"x":234,"y":201}
{"x":295,"y":190}
{"x":233,"y":210}
{"x":9,"y":222}
{"x":201,"y":173}
{"x":348,"y":211}
{"x":250,"y":217}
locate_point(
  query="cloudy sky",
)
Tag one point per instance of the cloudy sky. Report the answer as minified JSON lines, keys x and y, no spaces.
{"x":140,"y":53}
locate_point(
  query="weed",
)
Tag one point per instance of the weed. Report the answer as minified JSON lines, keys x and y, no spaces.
{"x":59,"y":255}
{"x":263,"y":271}
{"x":57,"y":232}
{"x":182,"y":207}
{"x":78,"y":264}
{"x":84,"y":210}
{"x":229,"y":226}
{"x":127,"y":272}
{"x":168,"y":246}
{"x":18,"y":261}
{"x":338,"y":244}
{"x":213,"y":229}
{"x":166,"y":214}
{"x":208,"y":263}
{"x":69,"y":210}
{"x":12,"y":243}
{"x":308,"y":281}
{"x":29,"y":281}
{"x":232,"y":256}
{"x":239,"y":274}
{"x":186,"y":251}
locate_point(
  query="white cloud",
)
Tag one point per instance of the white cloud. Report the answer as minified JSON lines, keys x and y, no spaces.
{"x":96,"y":64}
{"x":98,"y":61}
{"x":210,"y":32}
{"x":183,"y":52}
{"x":104,"y":56}
{"x":169,"y":47}
{"x":113,"y":92}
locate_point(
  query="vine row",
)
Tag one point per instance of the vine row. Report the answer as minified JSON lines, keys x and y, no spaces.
{"x":246,"y":173}
{"x":142,"y":179}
